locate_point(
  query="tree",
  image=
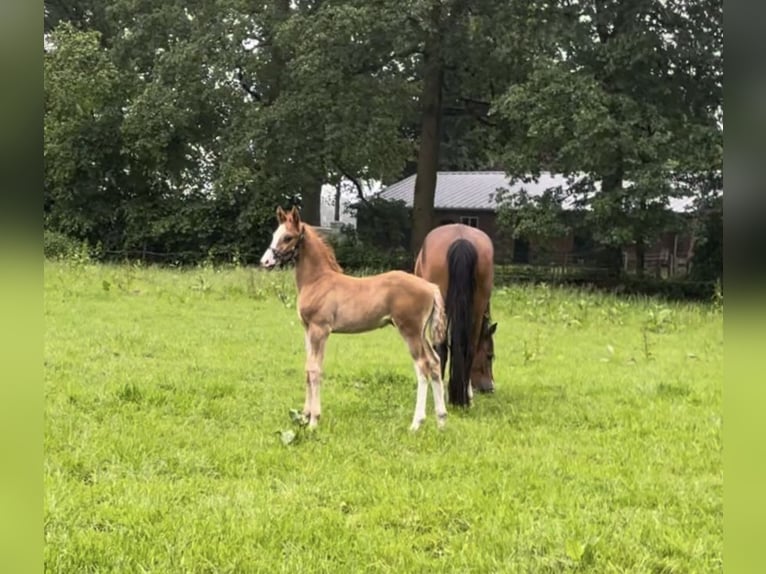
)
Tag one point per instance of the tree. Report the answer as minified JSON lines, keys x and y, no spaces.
{"x":82,"y":139}
{"x":402,"y":87}
{"x":348,"y":89}
{"x":212,"y":112}
{"x":628,"y":107}
{"x":707,"y":262}
{"x":192,"y":141}
{"x":433,"y":27}
{"x":232,"y":107}
{"x":472,"y":52}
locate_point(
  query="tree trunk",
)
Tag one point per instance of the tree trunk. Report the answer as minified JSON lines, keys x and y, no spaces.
{"x":612,"y":183}
{"x":275,"y":68}
{"x":430,"y":137}
{"x":311,"y":202}
{"x":337,"y":201}
{"x":640,"y":239}
{"x":640,"y":258}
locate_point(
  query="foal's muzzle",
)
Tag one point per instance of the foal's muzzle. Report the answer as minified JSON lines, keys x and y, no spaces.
{"x":279,"y":257}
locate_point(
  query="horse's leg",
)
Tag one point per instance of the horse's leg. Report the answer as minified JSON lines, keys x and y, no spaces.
{"x":479,"y":308}
{"x":317,"y":337}
{"x":442,"y":350}
{"x":422,"y":397}
{"x":418,"y":354}
{"x":437,"y":385}
{"x":307,"y":401}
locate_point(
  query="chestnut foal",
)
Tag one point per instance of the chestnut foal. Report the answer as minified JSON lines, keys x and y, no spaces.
{"x":330,"y":301}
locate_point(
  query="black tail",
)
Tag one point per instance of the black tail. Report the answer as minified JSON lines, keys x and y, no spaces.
{"x":461,"y":262}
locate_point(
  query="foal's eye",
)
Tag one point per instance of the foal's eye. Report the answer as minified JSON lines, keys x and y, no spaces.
{"x":287,"y":237}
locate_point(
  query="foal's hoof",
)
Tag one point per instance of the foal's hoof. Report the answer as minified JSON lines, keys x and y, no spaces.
{"x":416,"y":425}
{"x":441,"y":421}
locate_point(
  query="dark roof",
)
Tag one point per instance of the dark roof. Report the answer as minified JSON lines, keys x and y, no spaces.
{"x":476,"y":190}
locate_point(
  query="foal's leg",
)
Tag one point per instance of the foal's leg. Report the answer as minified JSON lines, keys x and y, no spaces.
{"x":420,"y":401}
{"x":307,"y":401}
{"x":316,"y":337}
{"x":412,"y":337}
{"x":437,"y":386}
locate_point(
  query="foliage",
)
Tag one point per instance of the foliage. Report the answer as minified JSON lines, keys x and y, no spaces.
{"x":599,"y":279}
{"x":359,"y":252}
{"x":628,"y":106}
{"x":301,"y":432}
{"x":176,"y":127}
{"x":164,"y":404}
{"x":59,"y":246}
{"x":133,"y":152}
{"x":541,"y":217}
{"x":82,"y":153}
{"x":382,"y":223}
{"x":195,"y":120}
{"x":707,"y":262}
{"x":347,"y":86}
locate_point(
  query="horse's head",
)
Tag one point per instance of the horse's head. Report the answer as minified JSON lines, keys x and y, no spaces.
{"x":482,"y":378}
{"x":285,"y":240}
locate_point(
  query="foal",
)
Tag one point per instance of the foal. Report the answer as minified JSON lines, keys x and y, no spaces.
{"x":330,"y":301}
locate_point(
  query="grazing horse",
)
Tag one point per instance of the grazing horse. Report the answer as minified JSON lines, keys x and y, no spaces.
{"x":330,"y":301}
{"x":459,"y":258}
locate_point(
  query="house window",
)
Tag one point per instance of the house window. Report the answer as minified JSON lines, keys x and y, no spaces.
{"x":469,"y":220}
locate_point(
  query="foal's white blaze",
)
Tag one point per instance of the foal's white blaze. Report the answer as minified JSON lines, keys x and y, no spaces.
{"x":268,"y":259}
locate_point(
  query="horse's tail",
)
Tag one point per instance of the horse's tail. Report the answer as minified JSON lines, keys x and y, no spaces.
{"x":461,"y":263}
{"x":438,"y":318}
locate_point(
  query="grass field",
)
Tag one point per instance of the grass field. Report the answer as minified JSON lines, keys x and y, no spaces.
{"x":168,"y":393}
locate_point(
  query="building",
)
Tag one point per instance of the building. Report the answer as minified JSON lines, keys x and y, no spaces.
{"x":327,"y":209}
{"x":471,"y":198}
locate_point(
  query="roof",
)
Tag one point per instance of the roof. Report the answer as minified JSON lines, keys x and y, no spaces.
{"x":476,"y":190}
{"x":454,"y":189}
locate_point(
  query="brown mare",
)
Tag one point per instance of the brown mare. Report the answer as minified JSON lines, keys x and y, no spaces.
{"x":459,"y":259}
{"x":330,"y":301}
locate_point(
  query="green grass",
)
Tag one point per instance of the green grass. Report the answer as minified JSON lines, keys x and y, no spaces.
{"x":166,"y":392}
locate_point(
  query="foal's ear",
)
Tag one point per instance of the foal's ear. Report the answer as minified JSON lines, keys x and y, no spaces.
{"x":281,"y":215}
{"x":296,"y":216}
{"x":492,"y":328}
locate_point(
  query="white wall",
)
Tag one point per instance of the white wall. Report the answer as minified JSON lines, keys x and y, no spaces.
{"x":348,"y":196}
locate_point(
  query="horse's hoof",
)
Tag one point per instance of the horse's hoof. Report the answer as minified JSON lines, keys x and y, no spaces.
{"x":441,"y":421}
{"x":415,"y":425}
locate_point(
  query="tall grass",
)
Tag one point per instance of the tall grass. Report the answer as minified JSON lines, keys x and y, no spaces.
{"x":169,"y":445}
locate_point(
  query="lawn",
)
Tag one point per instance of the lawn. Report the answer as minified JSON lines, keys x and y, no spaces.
{"x":167,"y":394}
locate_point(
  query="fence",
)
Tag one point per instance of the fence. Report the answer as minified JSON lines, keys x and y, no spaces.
{"x":579,"y":271}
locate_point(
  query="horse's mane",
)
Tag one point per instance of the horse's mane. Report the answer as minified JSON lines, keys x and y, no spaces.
{"x":324,"y":249}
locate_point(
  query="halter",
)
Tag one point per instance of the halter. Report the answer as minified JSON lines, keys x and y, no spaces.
{"x":288,"y":255}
